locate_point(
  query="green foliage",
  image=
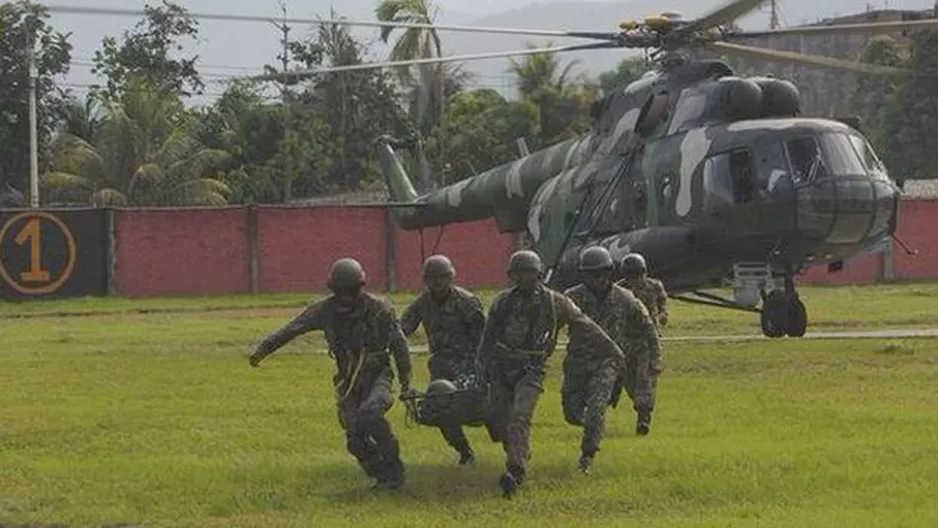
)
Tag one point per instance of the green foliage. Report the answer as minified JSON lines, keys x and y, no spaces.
{"x":20,"y":23}
{"x":480,"y":128}
{"x":872,"y":92}
{"x":628,"y":71}
{"x":145,"y":53}
{"x":142,"y":152}
{"x":908,"y":123}
{"x":562,"y":99}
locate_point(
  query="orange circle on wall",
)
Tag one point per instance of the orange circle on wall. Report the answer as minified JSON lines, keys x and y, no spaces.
{"x":53,"y":284}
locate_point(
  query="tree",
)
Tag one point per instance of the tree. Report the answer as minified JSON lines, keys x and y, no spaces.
{"x":562,"y":100}
{"x":357,"y":107}
{"x":416,"y":43}
{"x":628,"y":71}
{"x":480,"y":128}
{"x":22,"y":22}
{"x":145,"y":53}
{"x":872,"y":92}
{"x":908,"y":124}
{"x":142,"y":153}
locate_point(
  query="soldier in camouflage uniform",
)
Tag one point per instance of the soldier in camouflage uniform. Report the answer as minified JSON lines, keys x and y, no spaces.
{"x":360,"y":329}
{"x":642,"y":385}
{"x":520,"y":336}
{"x":453,"y":320}
{"x":589,"y":375}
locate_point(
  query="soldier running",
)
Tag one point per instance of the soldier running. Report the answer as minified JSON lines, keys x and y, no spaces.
{"x":360,"y":329}
{"x":589,"y":375}
{"x":453,"y":319}
{"x":642,"y":384}
{"x":520,"y":336}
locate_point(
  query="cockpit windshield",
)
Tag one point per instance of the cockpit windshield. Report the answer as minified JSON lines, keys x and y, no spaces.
{"x":870,"y":160}
{"x":843,"y":159}
{"x":807,"y":163}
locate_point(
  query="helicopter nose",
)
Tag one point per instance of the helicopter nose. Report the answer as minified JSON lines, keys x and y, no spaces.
{"x":846,"y":210}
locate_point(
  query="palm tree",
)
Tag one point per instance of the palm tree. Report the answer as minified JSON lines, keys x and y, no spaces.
{"x":143,"y":152}
{"x":417,"y":43}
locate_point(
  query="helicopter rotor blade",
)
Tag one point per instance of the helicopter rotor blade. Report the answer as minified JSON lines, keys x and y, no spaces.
{"x":430,"y":60}
{"x":837,"y":29}
{"x":814,"y":60}
{"x":80,"y":10}
{"x":724,"y":15}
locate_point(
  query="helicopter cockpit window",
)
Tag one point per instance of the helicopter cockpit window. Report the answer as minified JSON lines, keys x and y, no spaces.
{"x":806,"y":161}
{"x":874,"y":166}
{"x":843,"y":159}
{"x":728,"y":179}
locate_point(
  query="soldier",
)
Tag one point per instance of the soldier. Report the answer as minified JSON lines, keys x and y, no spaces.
{"x":589,"y":375}
{"x":520,"y":336}
{"x":453,"y":320}
{"x":360,"y":330}
{"x":642,"y":385}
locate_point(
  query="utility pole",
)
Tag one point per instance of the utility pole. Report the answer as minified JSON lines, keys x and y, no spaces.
{"x":773,"y":20}
{"x":33,"y":134}
{"x":285,"y":99}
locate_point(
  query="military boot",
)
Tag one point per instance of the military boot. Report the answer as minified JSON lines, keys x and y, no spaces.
{"x":643,"y":423}
{"x":511,"y":481}
{"x":586,"y":463}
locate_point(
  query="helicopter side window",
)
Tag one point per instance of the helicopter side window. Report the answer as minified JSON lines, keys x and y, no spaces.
{"x":728,"y":179}
{"x":806,"y":161}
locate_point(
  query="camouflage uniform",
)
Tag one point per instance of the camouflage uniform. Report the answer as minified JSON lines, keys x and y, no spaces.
{"x":520,"y":336}
{"x":454,"y":328}
{"x":359,"y":341}
{"x":590,"y":374}
{"x":641,"y":387}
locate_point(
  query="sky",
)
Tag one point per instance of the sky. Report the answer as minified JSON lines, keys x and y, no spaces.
{"x":227,"y":48}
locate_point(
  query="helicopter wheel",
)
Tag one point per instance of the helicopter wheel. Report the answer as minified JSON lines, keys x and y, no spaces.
{"x":775,"y":313}
{"x":797,"y":317}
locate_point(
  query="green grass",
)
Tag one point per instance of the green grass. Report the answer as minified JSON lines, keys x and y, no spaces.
{"x":155,"y":419}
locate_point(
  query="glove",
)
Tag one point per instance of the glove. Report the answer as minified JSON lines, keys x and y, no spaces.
{"x":663,"y":319}
{"x":655,"y":368}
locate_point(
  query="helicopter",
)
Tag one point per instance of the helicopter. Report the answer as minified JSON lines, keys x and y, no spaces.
{"x":718,"y":180}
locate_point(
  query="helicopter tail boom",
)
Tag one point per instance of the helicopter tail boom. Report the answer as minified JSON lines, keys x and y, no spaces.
{"x":504,"y":192}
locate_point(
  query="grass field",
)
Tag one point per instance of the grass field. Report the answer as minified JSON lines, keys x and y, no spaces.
{"x":145,"y":412}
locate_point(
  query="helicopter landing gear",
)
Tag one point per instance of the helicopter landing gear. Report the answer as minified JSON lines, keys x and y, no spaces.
{"x":783,"y":312}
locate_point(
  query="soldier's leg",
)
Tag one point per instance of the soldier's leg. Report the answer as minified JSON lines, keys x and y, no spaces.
{"x":645,"y":403}
{"x":600,"y":387}
{"x":357,"y":440}
{"x":372,"y":420}
{"x":573,"y":394}
{"x":501,"y":399}
{"x":443,"y":368}
{"x":527,"y":393}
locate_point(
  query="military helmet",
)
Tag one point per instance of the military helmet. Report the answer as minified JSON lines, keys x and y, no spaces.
{"x":346,"y":273}
{"x":441,"y":386}
{"x":595,"y":258}
{"x":438,"y":266}
{"x":633,"y":264}
{"x":525,"y":260}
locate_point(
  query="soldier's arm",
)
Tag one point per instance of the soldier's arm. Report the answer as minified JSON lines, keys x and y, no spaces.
{"x":412,"y":317}
{"x":641,"y":334}
{"x":397,"y":344}
{"x":487,"y":342}
{"x":569,"y":314}
{"x":662,"y":298}
{"x":475,"y":319}
{"x":308,"y":320}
